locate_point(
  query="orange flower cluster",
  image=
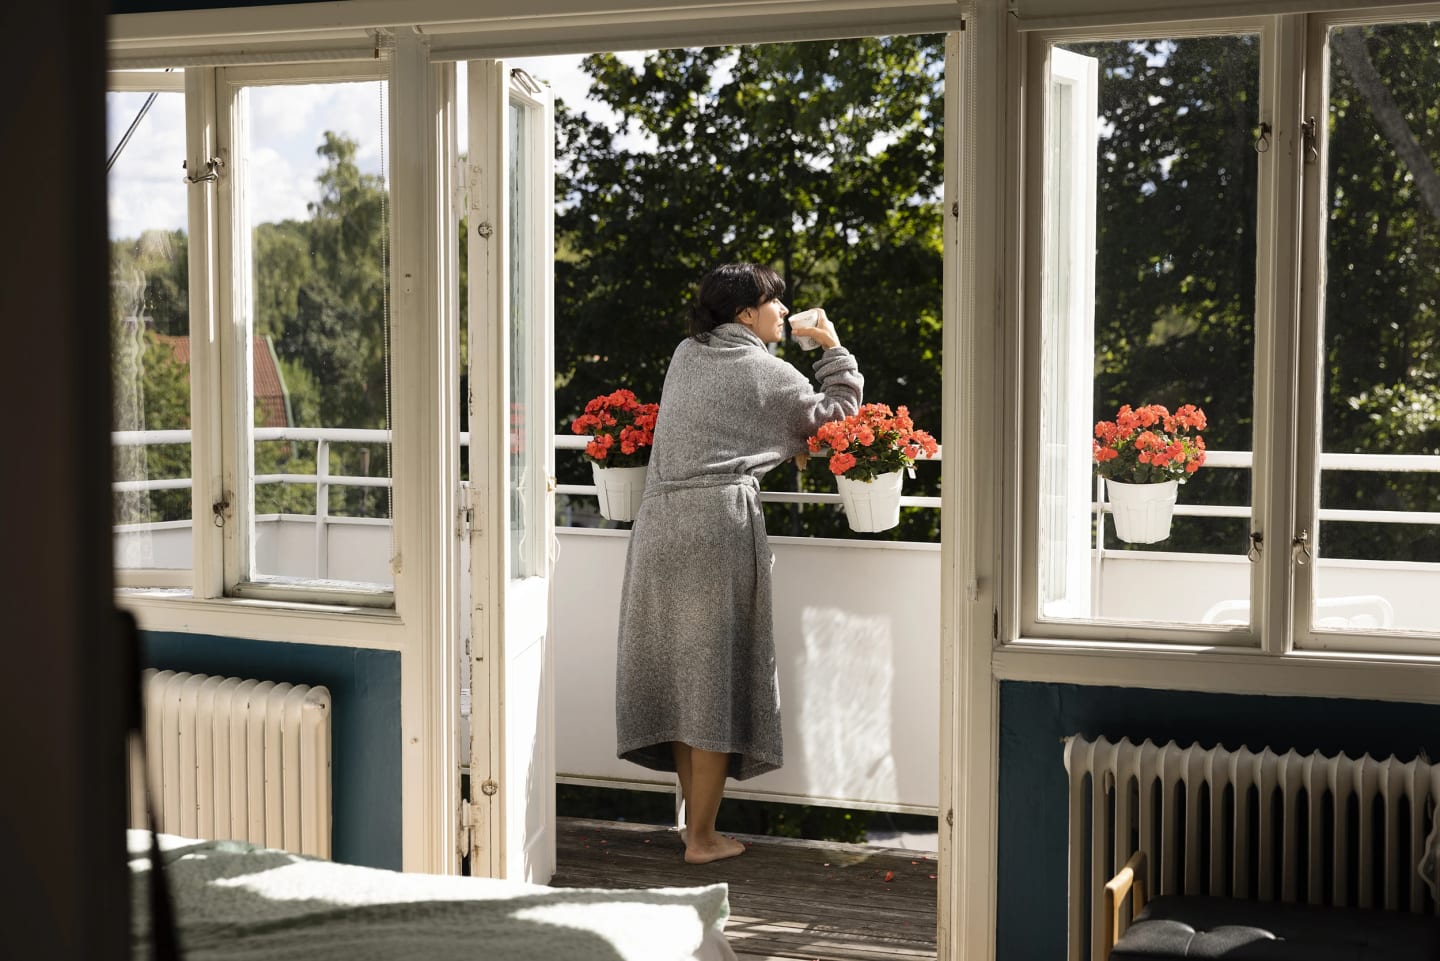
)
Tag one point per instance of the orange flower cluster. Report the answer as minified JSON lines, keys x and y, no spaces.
{"x":874,"y":441}
{"x":622,"y":429}
{"x":1150,"y":445}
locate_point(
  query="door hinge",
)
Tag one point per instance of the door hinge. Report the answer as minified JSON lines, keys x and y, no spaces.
{"x":464,"y":521}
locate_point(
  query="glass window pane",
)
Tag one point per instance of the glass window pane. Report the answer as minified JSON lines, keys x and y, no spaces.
{"x":1378,"y":549}
{"x":149,"y":330}
{"x":316,"y":210}
{"x":1147,"y":296}
{"x":528,"y":441}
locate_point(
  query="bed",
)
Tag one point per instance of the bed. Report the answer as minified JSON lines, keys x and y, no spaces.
{"x":237,"y":902}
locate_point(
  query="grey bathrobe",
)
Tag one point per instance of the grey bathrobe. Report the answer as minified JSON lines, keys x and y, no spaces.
{"x":696,"y":656}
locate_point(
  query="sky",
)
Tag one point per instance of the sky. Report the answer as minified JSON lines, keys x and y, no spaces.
{"x":286,"y":126}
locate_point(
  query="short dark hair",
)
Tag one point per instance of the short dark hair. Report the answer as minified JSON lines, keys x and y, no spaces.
{"x":729,"y":289}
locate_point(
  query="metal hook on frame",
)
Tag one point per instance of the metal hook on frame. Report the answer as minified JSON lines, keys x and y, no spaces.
{"x":1262,"y":142}
{"x":1257,"y":544}
{"x":219,"y":508}
{"x":213,"y":172}
{"x":1309,"y":136}
{"x":529,"y":83}
{"x":1300,"y":548}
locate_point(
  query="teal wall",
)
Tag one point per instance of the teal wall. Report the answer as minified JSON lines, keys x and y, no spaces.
{"x":365,"y":724}
{"x":1032,"y":802}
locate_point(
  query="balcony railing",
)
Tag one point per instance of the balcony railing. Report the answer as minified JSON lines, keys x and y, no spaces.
{"x":324,"y":437}
{"x":856,"y":666}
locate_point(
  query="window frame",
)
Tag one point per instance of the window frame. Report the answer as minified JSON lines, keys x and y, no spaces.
{"x":1311,"y":342}
{"x":170,"y":578}
{"x":1289,"y":350}
{"x":234,"y":278}
{"x":1022,"y":514}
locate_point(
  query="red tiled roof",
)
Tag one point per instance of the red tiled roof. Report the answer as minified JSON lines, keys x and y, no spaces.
{"x":269,"y":385}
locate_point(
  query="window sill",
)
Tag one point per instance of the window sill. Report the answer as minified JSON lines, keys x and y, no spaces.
{"x":1350,"y":674}
{"x":268,"y":620}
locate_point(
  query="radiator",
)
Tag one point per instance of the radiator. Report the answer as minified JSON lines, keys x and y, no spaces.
{"x":236,"y":759}
{"x":1260,"y":825}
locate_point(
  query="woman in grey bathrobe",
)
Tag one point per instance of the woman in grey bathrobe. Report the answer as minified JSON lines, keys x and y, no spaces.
{"x":696,"y":689}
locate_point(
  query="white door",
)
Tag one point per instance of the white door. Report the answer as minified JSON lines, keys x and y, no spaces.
{"x":510,"y":193}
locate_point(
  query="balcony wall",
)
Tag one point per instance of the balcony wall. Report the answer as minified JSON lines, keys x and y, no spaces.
{"x":857,"y":637}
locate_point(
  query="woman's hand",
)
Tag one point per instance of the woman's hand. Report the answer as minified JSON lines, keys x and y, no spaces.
{"x":823,"y":333}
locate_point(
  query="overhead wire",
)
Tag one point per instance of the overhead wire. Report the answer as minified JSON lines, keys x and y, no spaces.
{"x":130,"y":130}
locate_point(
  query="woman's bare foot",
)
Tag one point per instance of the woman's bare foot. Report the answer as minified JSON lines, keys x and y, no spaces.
{"x":718,"y":848}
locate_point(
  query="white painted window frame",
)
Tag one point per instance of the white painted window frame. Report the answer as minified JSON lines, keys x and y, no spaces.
{"x":1024,"y":352}
{"x":418,"y":619}
{"x":117,"y":81}
{"x":1289,"y":278}
{"x":1314,"y":101}
{"x":236,"y":276}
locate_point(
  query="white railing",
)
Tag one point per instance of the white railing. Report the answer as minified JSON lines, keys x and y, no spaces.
{"x":324,"y":437}
{"x":323,"y":480}
{"x":572,"y":442}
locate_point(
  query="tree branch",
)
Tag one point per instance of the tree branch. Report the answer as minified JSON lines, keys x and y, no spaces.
{"x":1350,"y":46}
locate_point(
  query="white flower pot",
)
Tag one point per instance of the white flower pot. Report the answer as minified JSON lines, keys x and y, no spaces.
{"x":1142,"y":512}
{"x":620,"y":489}
{"x":871,"y":505}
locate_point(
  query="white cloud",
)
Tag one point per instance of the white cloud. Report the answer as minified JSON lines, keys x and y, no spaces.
{"x":280,"y":185}
{"x":147,"y":190}
{"x":568,"y":82}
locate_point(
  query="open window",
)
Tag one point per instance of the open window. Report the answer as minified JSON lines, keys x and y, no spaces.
{"x":149,"y":328}
{"x":307,"y":360}
{"x":1371,"y":507}
{"x":1141,"y":280}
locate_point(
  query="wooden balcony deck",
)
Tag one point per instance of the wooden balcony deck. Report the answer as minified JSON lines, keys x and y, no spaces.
{"x":789,"y":899}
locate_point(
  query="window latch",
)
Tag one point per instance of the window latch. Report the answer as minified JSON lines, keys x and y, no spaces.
{"x":1300,"y":548}
{"x":1257,"y":544}
{"x":219,"y":509}
{"x":1309,"y":136}
{"x":1262,"y":142}
{"x":213,"y":164}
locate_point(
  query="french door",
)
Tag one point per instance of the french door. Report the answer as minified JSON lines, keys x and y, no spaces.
{"x":510,"y":189}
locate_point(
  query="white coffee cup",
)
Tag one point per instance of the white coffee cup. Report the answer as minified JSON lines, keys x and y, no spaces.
{"x":806,"y":318}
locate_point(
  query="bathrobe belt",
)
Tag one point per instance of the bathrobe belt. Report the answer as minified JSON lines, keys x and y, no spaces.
{"x":703,"y":480}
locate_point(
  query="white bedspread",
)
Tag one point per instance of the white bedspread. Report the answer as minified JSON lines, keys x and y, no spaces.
{"x":236,"y":902}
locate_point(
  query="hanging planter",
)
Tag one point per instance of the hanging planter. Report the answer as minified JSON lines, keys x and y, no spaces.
{"x":872,"y":505}
{"x":867,"y":453}
{"x":621,"y":431}
{"x":1145,"y":454}
{"x":1142,"y":512}
{"x":620,"y":489}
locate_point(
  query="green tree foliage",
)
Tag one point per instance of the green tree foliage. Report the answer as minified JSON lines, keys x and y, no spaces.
{"x":1382,"y":304}
{"x":319,"y":293}
{"x":821,"y":159}
{"x":151,"y":391}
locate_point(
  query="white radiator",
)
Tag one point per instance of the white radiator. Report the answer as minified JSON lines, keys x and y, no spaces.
{"x":1287,"y":827}
{"x":237,"y":760}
